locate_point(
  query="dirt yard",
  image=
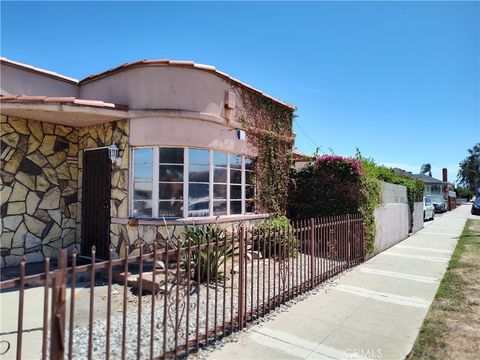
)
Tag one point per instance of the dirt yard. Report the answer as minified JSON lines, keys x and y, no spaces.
{"x":452,"y":327}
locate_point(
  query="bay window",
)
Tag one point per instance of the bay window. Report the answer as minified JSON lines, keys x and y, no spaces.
{"x":190,"y":182}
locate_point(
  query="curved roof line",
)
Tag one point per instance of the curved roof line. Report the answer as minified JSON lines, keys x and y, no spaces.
{"x":180,"y":63}
{"x":38,"y":70}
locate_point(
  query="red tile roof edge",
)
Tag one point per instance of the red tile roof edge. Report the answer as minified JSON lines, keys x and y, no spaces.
{"x":38,"y":70}
{"x":62,"y":100}
{"x":179,"y":63}
{"x":302,"y":156}
{"x":164,"y":62}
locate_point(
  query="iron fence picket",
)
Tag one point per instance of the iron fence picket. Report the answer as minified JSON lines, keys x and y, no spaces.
{"x":264,"y":268}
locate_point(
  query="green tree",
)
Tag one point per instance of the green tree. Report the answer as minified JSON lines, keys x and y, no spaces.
{"x":469,"y":172}
{"x":463,"y":192}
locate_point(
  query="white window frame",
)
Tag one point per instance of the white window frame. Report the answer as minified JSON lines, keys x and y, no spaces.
{"x":186,"y":163}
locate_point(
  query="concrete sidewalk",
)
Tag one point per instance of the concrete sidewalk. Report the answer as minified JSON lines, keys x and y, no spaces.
{"x":374,"y":311}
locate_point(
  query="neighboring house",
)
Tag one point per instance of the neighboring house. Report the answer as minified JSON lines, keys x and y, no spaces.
{"x":434,"y":186}
{"x":127,"y":155}
{"x":302,"y":159}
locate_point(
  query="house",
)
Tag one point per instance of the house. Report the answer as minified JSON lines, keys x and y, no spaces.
{"x":123,"y":157}
{"x":301,"y":159}
{"x":435,"y":186}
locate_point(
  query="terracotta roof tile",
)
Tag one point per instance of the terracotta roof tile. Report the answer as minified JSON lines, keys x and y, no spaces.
{"x":30,"y":98}
{"x":62,"y":100}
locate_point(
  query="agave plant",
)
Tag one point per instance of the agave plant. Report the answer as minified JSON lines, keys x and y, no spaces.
{"x":206,"y":261}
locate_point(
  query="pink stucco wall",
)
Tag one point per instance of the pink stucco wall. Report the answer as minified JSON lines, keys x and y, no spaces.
{"x":161,"y":87}
{"x":17,"y":81}
{"x":170,"y":131}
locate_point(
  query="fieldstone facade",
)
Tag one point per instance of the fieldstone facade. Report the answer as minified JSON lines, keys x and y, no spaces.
{"x":39,"y":174}
{"x":134,"y":235}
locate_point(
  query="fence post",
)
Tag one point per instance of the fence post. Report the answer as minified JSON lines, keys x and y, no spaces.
{"x":59,"y":294}
{"x":349,"y":240}
{"x":312,"y":246}
{"x":362,"y":238}
{"x":241,"y":277}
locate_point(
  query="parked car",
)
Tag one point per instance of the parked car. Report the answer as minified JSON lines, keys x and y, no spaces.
{"x":476,"y":206}
{"x":438,"y":202}
{"x":428,"y":209}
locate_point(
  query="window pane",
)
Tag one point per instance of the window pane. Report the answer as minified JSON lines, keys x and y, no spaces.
{"x":198,"y":156}
{"x":142,"y":191}
{"x":235,"y":161}
{"x":248,"y":164}
{"x":235,"y":176}
{"x":249,"y":192}
{"x":220,"y":159}
{"x":219,"y":191}
{"x":142,"y":208}
{"x":167,"y":191}
{"x":198,"y":173}
{"x":197,"y":193}
{"x":171,"y":173}
{"x":249,"y":177}
{"x":171,"y":155}
{"x":143,"y":172}
{"x":220,"y":175}
{"x":235,"y":207}
{"x":198,"y":209}
{"x":170,"y":208}
{"x":143,"y":156}
{"x":220,"y":208}
{"x":198,"y":200}
{"x":235,"y":192}
{"x":249,"y":206}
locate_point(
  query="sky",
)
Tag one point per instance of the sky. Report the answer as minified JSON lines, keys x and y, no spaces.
{"x":399,"y":80}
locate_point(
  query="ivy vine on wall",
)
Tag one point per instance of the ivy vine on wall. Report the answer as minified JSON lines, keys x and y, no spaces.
{"x":268,"y":126}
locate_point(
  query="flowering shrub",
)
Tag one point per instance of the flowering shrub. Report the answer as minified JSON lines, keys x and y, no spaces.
{"x":335,"y":185}
{"x":351,"y":166}
{"x":332,"y":185}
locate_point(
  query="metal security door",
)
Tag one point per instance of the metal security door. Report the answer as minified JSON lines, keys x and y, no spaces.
{"x":97,"y":168}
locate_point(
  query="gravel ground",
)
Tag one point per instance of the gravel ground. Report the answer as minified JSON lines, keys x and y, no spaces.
{"x":202,"y":299}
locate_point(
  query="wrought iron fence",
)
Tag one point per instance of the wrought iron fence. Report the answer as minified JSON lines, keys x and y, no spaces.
{"x":183,"y":295}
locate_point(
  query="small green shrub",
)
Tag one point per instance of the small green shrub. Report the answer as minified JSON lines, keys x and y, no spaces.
{"x":206,"y":264}
{"x":279,"y":239}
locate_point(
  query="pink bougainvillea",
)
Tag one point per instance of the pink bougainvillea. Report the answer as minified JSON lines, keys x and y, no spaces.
{"x":332,"y":185}
{"x":337,"y":160}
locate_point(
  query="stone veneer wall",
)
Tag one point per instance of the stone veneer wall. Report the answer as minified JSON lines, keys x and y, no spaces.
{"x":105,"y":135}
{"x":38,"y":195}
{"x":122,"y":234}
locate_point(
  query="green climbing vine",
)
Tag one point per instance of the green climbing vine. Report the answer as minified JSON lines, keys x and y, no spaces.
{"x":268,"y":126}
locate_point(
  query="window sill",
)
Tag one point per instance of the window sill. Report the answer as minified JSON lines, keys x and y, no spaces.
{"x":192,"y":221}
